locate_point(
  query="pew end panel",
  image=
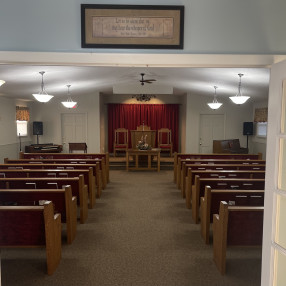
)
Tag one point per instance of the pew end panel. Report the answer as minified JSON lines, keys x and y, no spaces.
{"x":63,"y":201}
{"x":53,"y":239}
{"x":98,"y":181}
{"x":210,"y":204}
{"x":71,"y":214}
{"x":92,"y":188}
{"x":179,"y":173}
{"x":205,"y":215}
{"x":39,"y":226}
{"x":220,"y":236}
{"x":175,"y":167}
{"x":83,"y":198}
{"x":235,"y":226}
{"x":195,"y":199}
{"x":183,"y":181}
{"x":188,"y":191}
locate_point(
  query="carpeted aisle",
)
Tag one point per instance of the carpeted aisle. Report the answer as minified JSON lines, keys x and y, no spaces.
{"x":139,"y":233}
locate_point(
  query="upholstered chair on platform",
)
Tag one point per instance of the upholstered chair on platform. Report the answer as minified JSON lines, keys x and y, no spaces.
{"x":120,"y":140}
{"x":165,"y":140}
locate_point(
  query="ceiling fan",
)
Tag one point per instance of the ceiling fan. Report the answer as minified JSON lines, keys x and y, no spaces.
{"x":143,"y":81}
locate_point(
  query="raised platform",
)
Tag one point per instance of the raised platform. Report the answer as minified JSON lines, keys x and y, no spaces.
{"x":119,"y":162}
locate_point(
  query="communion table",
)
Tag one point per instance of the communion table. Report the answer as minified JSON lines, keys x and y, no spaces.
{"x":140,"y":156}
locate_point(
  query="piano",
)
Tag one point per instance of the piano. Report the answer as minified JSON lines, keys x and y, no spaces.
{"x":44,"y":148}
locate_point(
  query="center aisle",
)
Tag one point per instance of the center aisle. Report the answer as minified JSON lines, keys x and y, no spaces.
{"x":140,"y":233}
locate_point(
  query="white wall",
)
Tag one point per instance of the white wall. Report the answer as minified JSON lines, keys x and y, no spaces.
{"x":50,"y":114}
{"x":211,"y":26}
{"x":9,"y":141}
{"x":235,"y":115}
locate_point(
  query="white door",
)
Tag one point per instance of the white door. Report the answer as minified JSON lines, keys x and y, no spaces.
{"x":211,"y":128}
{"x":74,"y":128}
{"x":274,"y":227}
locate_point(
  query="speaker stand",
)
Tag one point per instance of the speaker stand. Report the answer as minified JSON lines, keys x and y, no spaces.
{"x":20,"y":142}
{"x":38,"y":139}
{"x":247,"y":141}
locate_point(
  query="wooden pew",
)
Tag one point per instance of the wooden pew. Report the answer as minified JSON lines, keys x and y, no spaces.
{"x":235,"y":225}
{"x":178,"y":156}
{"x":186,"y":167}
{"x":79,"y":189}
{"x":200,"y":184}
{"x":212,"y":162}
{"x":89,"y":179}
{"x":64,"y":203}
{"x":210,"y":203}
{"x":62,"y":161}
{"x":68,"y":166}
{"x":103,"y":156}
{"x":219,"y":174}
{"x":32,"y":226}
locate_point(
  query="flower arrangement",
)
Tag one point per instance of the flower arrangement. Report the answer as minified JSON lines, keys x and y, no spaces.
{"x":142,"y":144}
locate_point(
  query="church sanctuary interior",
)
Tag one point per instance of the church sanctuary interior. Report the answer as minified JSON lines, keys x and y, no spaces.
{"x":142,"y":144}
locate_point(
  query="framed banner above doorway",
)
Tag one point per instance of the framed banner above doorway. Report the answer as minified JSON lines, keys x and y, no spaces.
{"x":132,"y":26}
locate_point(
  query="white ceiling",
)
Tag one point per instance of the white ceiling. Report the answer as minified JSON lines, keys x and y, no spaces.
{"x":22,"y":81}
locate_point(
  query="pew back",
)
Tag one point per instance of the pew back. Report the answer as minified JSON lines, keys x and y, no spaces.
{"x":239,"y":174}
{"x":32,"y":226}
{"x":95,"y":167}
{"x":210,"y":203}
{"x":63,"y":161}
{"x":79,"y":189}
{"x":212,"y":161}
{"x":55,"y":173}
{"x":64,"y":203}
{"x":103,"y":156}
{"x":200,"y":184}
{"x":235,"y":225}
{"x":186,"y":167}
{"x":178,"y":156}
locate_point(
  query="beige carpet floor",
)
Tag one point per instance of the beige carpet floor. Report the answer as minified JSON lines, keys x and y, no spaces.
{"x":139,"y":233}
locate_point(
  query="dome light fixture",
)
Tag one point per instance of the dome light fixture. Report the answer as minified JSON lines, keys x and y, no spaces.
{"x":215,"y":104}
{"x":69,"y":103}
{"x":2,"y":82}
{"x":42,"y":96}
{"x":239,"y":98}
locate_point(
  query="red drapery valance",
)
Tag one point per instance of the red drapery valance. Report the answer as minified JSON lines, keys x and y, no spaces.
{"x":130,"y":116}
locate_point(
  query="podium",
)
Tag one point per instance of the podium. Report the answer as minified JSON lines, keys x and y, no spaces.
{"x":77,"y":146}
{"x":136,"y":136}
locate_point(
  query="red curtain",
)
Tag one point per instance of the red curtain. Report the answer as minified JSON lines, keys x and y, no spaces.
{"x":130,"y":116}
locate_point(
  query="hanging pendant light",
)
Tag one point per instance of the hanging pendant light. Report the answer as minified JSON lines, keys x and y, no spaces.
{"x":215,"y":104}
{"x":239,"y":98}
{"x":69,"y":103}
{"x":2,"y":82}
{"x":42,"y":96}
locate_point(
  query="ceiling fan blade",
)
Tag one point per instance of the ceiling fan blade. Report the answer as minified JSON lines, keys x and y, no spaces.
{"x":145,"y":80}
